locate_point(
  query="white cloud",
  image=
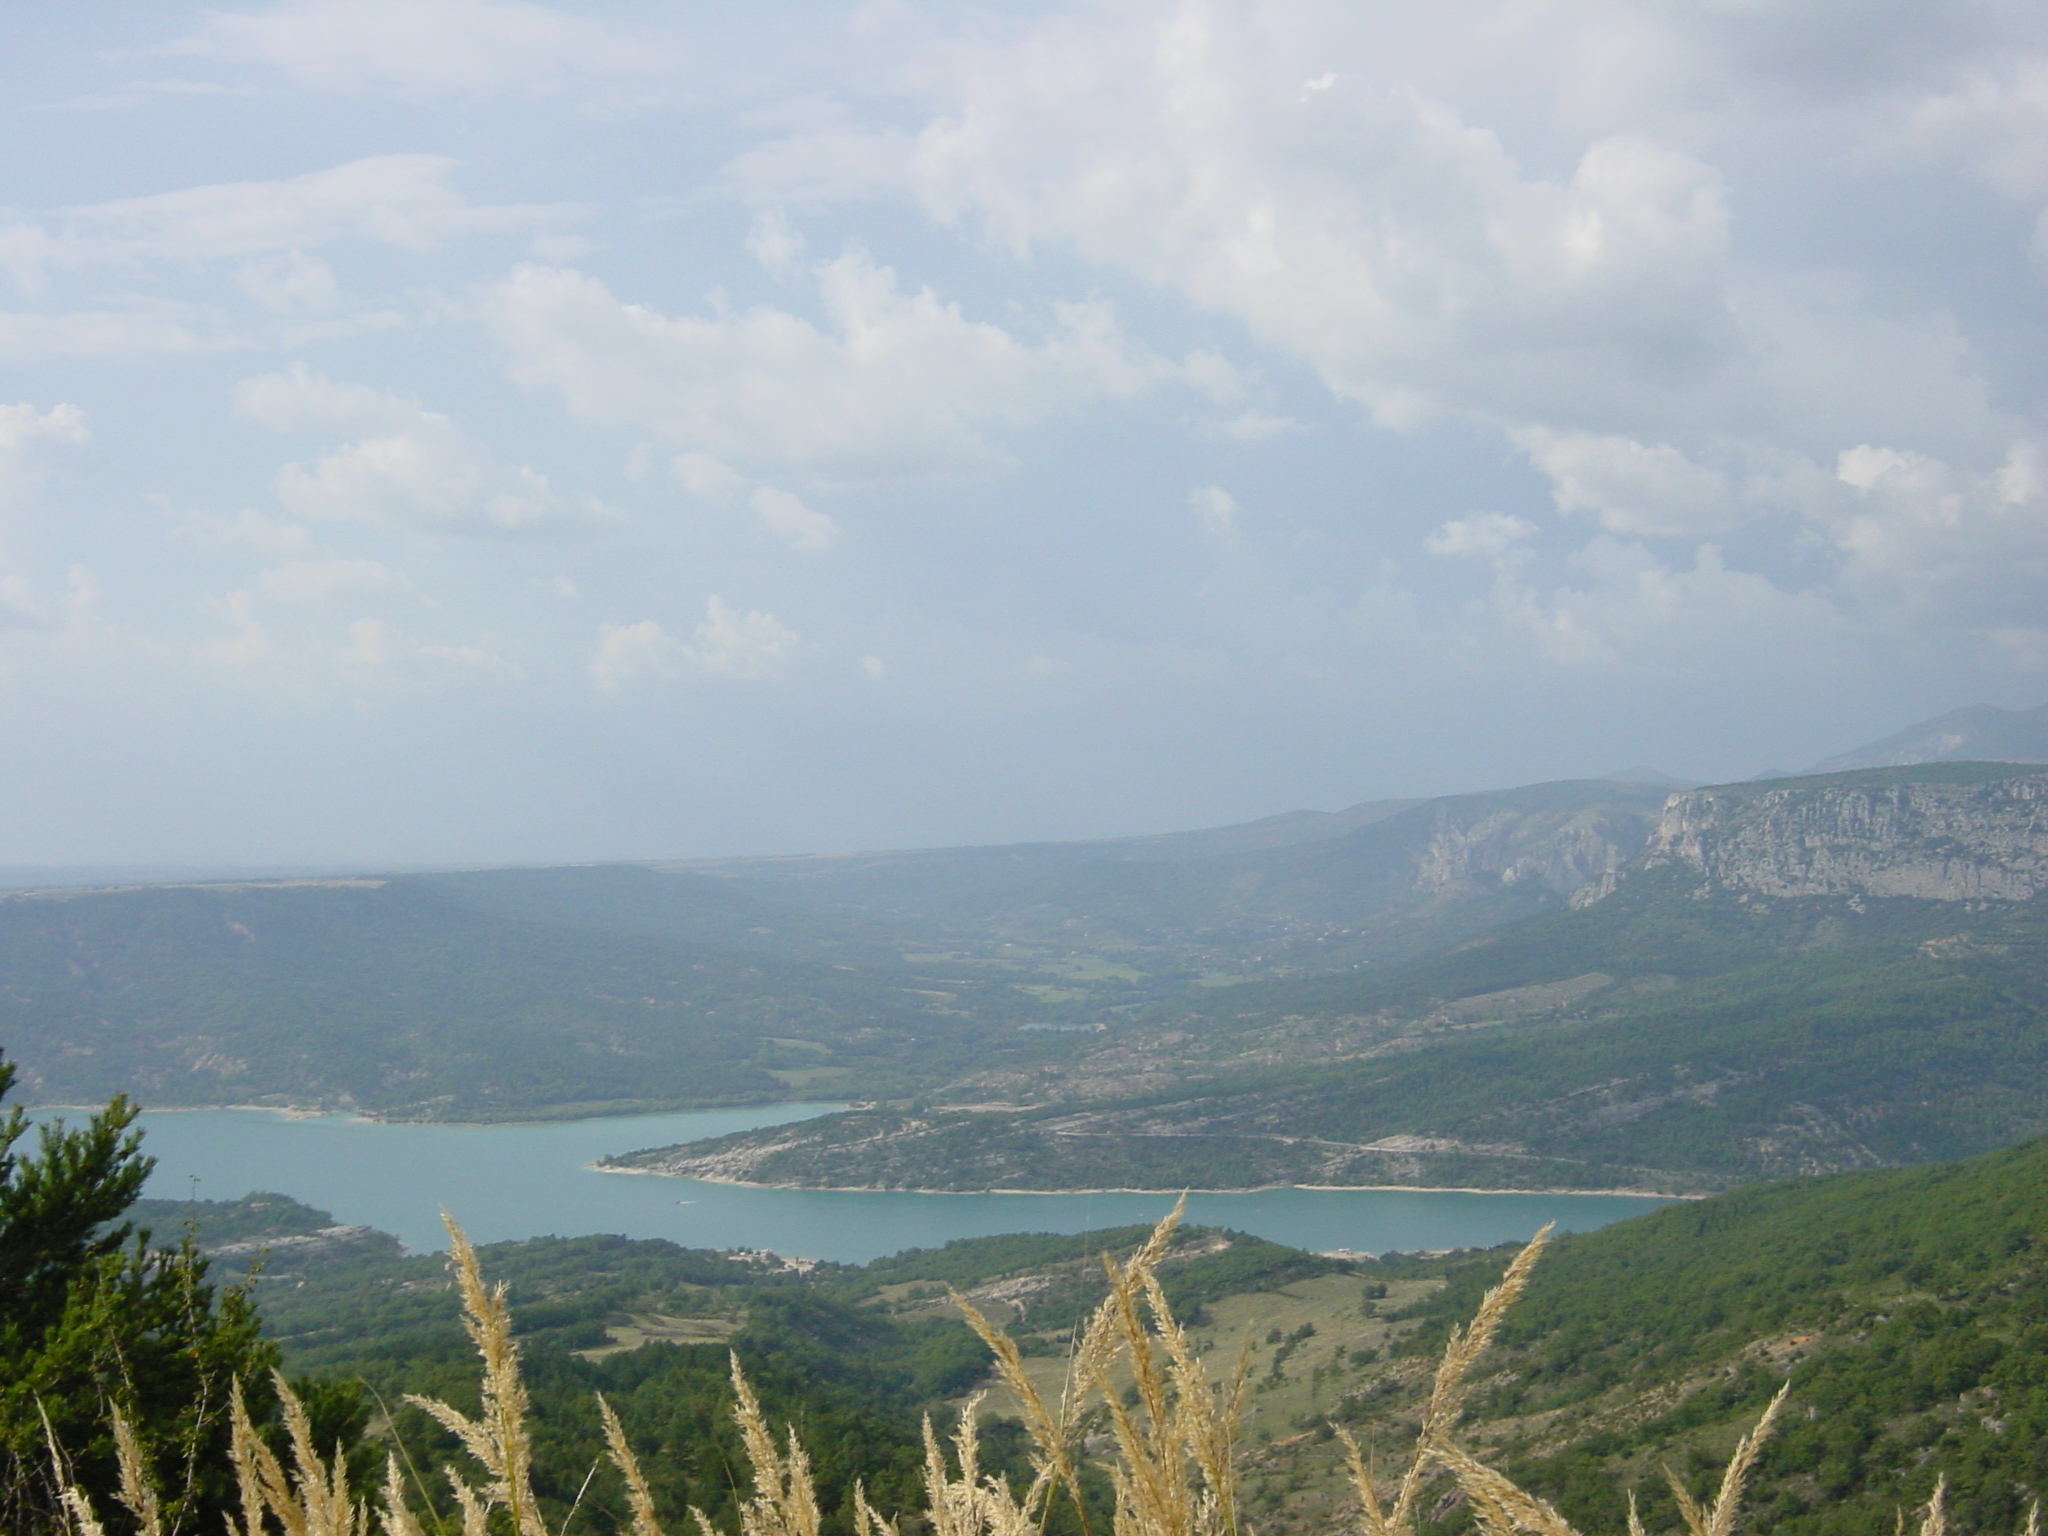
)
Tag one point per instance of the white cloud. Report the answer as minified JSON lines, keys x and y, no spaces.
{"x":26,"y":433}
{"x":2023,"y":647}
{"x":895,"y":384}
{"x":320,"y":621}
{"x":33,"y":338}
{"x":774,"y":243}
{"x":1923,"y":541}
{"x":1489,"y":534}
{"x":1399,"y":249}
{"x":426,"y":48}
{"x":139,"y":93}
{"x":1261,"y":427}
{"x":1631,"y":487}
{"x":291,"y":284}
{"x":248,"y":528}
{"x":747,"y":645}
{"x":783,"y":514}
{"x":407,"y":201}
{"x":702,"y":475}
{"x":432,"y":475}
{"x":635,"y":653}
{"x":560,"y":248}
{"x":24,"y":430}
{"x":1912,"y":550}
{"x":1636,"y":276}
{"x":728,"y":644}
{"x":412,"y":465}
{"x":55,"y":620}
{"x":1627,"y":611}
{"x":1866,"y":467}
{"x":1216,"y":510}
{"x":1213,"y":374}
{"x":1529,"y":225}
{"x":1838,"y":372}
{"x":1993,"y":117}
{"x":301,"y":400}
{"x":319,"y":583}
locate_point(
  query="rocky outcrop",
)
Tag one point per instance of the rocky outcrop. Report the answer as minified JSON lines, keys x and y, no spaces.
{"x":1559,"y":851}
{"x":1933,"y":835}
{"x":328,"y":1240}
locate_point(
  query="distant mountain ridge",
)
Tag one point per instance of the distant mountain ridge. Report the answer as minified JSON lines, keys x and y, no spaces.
{"x":1078,"y":974}
{"x":1818,"y":974}
{"x":1386,"y":878}
{"x":593,"y":989}
{"x":1979,"y":733}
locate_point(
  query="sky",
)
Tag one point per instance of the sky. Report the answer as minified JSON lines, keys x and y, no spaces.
{"x":441,"y":431}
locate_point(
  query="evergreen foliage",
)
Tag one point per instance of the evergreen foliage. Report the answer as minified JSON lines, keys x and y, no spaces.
{"x":1905,"y":1307}
{"x":93,"y":1319}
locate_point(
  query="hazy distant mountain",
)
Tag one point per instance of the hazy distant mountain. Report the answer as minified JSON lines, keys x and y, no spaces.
{"x":1980,"y":733}
{"x":1060,"y":973}
{"x":1657,"y":778}
{"x":485,"y":993}
{"x":1797,"y":977}
{"x":1379,"y":880}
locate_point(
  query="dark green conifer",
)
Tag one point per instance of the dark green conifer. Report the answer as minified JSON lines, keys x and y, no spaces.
{"x":94,"y":1318}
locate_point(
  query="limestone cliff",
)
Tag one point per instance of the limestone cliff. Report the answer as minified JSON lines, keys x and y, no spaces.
{"x":1557,"y":850}
{"x":1967,"y":832}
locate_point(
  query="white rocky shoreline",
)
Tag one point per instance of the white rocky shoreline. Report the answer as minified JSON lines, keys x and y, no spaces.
{"x":1246,"y":1189}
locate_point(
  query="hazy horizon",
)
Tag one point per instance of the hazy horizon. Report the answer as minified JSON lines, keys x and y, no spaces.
{"x":480,"y":432}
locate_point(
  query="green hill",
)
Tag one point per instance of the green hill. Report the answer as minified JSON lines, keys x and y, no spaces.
{"x":1906,"y":1307}
{"x":853,"y":1356}
{"x":401,"y":996}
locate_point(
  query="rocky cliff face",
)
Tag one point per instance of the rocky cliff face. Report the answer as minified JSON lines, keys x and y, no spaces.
{"x":1940,"y":836}
{"x":1558,"y":850}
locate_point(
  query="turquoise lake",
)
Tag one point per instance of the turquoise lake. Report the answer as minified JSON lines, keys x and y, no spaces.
{"x":515,"y":1181}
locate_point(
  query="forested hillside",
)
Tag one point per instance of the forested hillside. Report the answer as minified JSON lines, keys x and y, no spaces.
{"x":1906,"y":1308}
{"x":851,"y":1356}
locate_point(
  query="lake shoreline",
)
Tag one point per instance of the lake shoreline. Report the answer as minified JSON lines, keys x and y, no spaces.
{"x":514,"y":1182}
{"x":1248,"y":1189}
{"x":288,"y":1111}
{"x":375,"y":1117}
{"x":307,"y":1112}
